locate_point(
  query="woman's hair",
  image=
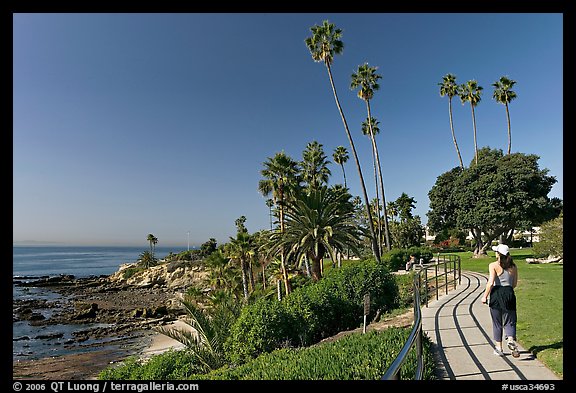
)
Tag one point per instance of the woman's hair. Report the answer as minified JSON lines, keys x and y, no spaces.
{"x":506,"y":261}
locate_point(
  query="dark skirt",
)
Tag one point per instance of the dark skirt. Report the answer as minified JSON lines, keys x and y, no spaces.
{"x":503,"y":298}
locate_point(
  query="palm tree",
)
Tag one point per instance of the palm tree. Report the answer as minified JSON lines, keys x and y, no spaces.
{"x":318,"y":223}
{"x":449,"y":88}
{"x":366,"y":130}
{"x":219,"y":271}
{"x":324,"y":43}
{"x":270,"y":204}
{"x":367,"y":79}
{"x":152,"y":240}
{"x":241,"y":249}
{"x":471,"y":91}
{"x":147,"y":259}
{"x":280,"y":177}
{"x":503,"y":94}
{"x":340,"y":157}
{"x":314,"y":166}
{"x":207,"y":331}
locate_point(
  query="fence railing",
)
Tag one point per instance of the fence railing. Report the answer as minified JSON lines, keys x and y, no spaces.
{"x":443,"y":272}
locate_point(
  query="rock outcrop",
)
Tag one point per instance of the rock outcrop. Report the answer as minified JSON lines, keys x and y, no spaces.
{"x":173,"y":275}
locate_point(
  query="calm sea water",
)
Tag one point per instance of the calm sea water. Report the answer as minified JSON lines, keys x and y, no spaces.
{"x":30,"y":262}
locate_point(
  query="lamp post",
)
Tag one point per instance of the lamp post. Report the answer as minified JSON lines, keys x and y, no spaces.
{"x":188,"y":240}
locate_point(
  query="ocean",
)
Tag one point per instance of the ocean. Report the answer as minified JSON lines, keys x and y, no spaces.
{"x":32,"y":262}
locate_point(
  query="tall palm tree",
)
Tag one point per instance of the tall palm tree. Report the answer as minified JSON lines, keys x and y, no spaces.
{"x":324,"y":43}
{"x":366,"y":79}
{"x":153,"y":240}
{"x":470,"y":92}
{"x":503,"y":94}
{"x":280,"y":178}
{"x":241,"y":249}
{"x":318,"y":223}
{"x":366,"y":130}
{"x":314,"y":166}
{"x":449,"y":88}
{"x":340,"y":157}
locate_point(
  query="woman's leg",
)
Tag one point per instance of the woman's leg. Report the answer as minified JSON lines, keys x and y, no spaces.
{"x":509,"y":320}
{"x":496,"y":327}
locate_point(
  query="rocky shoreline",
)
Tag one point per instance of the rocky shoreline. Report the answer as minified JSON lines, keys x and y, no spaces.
{"x":115,"y":316}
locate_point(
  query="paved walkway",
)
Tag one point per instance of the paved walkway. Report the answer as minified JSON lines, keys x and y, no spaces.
{"x":459,"y":325}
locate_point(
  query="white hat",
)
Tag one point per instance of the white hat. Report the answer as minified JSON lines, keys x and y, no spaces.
{"x":501,"y":248}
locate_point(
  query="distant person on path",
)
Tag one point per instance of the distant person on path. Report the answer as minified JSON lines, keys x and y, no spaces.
{"x":410,"y":262}
{"x":500,"y":287}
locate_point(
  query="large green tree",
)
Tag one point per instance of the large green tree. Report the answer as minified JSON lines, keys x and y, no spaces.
{"x":551,"y":238}
{"x":503,"y":94}
{"x":365,"y":79}
{"x":449,"y":88}
{"x":319,"y":223}
{"x":471,"y":92}
{"x":407,"y":230}
{"x":323,"y":44}
{"x":491,"y":198}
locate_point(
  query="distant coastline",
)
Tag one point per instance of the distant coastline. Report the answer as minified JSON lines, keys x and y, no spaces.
{"x":144,"y":246}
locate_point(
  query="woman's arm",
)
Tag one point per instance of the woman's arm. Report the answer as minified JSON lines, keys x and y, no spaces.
{"x":490,"y":282}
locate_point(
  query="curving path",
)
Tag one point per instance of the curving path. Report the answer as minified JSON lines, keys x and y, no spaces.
{"x":459,"y":326}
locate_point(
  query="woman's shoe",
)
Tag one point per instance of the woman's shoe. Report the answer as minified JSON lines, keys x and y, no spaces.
{"x":513,"y":348}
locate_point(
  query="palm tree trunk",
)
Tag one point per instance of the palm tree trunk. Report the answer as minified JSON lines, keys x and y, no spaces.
{"x":385,"y":213}
{"x":282,"y":262}
{"x":251,"y":277}
{"x":509,"y":132}
{"x":279,"y":289}
{"x":344,"y":173}
{"x":378,"y":219}
{"x":453,"y":134}
{"x":307,"y":265}
{"x":370,"y":222}
{"x":316,"y":269}
{"x":475,"y":144}
{"x":244,"y":279}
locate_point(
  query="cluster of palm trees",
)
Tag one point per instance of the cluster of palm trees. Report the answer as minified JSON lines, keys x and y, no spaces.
{"x":313,"y":220}
{"x":324,"y":43}
{"x":471,"y":92}
{"x":147,"y":258}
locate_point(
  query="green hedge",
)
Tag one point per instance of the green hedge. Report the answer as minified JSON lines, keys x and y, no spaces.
{"x":354,"y":357}
{"x":313,"y":312}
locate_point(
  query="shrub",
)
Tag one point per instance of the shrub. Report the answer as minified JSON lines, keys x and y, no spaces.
{"x":312,"y":312}
{"x":171,"y":364}
{"x":130,"y":271}
{"x":354,"y":357}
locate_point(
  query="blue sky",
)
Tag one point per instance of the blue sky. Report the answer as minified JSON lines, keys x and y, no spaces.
{"x":129,"y":124}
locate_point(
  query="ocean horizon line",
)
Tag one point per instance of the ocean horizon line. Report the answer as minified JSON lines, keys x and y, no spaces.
{"x":27,"y":243}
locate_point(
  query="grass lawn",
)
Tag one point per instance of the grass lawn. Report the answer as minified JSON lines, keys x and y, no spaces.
{"x":540,"y":304}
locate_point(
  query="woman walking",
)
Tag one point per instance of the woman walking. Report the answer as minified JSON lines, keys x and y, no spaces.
{"x":500,"y":287}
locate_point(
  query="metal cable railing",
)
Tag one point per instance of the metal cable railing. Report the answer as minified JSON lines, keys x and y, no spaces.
{"x":450,"y":274}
